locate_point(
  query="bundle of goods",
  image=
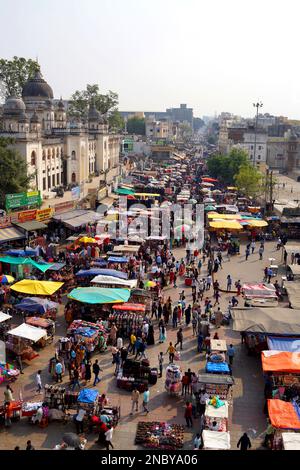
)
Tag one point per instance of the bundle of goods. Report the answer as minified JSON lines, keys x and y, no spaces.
{"x":136,"y":374}
{"x":55,"y":396}
{"x":88,"y":332}
{"x":220,"y":389}
{"x":8,"y":372}
{"x":217,"y":367}
{"x":173,"y":379}
{"x":30,"y":408}
{"x":88,"y":400}
{"x":160,"y":435}
{"x":126,"y":321}
{"x":216,"y":357}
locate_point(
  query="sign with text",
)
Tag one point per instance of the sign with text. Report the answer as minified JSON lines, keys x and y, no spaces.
{"x":31,"y":198}
{"x":44,"y":214}
{"x":26,"y":216}
{"x":64,"y":207}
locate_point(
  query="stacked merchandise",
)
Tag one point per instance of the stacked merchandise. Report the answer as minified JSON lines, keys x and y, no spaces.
{"x":30,"y":408}
{"x":162,"y":435}
{"x":64,"y":347}
{"x":8,"y":372}
{"x":20,"y":347}
{"x":136,"y":374}
{"x":216,"y":410}
{"x":70,"y":399}
{"x":173,"y":379}
{"x":87,"y":332}
{"x":55,"y":396}
{"x":126,"y":322}
{"x":88,"y":400}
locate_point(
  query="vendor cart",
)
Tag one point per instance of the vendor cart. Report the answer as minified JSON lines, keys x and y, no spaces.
{"x":218,"y":345}
{"x":216,"y":410}
{"x":137,"y":374}
{"x":214,"y":384}
{"x":20,"y":339}
{"x":215,"y":440}
{"x":45,"y":324}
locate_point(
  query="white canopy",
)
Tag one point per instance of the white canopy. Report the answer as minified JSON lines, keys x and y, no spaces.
{"x":126,"y":248}
{"x":4,"y":317}
{"x":216,"y":440}
{"x":291,"y":440}
{"x":28,"y":332}
{"x":221,"y":412}
{"x":106,"y":280}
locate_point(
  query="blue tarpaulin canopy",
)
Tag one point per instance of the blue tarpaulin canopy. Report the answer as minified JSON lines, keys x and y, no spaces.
{"x":117,"y":259}
{"x":26,"y":252}
{"x":35,"y":304}
{"x":99,"y":295}
{"x":217,"y":368}
{"x":278,"y":343}
{"x":88,"y":395}
{"x":112,"y":272}
{"x":89,"y":272}
{"x":100,"y":262}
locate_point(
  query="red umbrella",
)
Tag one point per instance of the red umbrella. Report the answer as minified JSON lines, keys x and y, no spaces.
{"x":209,"y":180}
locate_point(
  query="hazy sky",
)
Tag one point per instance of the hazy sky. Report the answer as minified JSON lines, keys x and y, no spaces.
{"x":213,"y":55}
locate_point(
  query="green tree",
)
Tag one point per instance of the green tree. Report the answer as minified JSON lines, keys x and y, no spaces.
{"x":14,"y":74}
{"x":249,"y":181}
{"x":136,"y":125}
{"x":225,"y":167}
{"x":14,"y":176}
{"x":116,"y":121}
{"x":80,"y":101}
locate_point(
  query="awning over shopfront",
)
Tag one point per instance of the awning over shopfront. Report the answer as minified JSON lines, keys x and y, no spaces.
{"x":280,"y":361}
{"x":276,"y":321}
{"x":29,"y":332}
{"x":99,"y":295}
{"x":31,"y":225}
{"x":278,"y":343}
{"x":283,"y":415}
{"x":10,"y":234}
{"x":69,"y":215}
{"x":81,"y":220}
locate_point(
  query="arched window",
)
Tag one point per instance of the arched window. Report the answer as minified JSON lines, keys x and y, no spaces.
{"x":73,"y":155}
{"x":33,"y":158}
{"x":44,"y":155}
{"x":53,"y":154}
{"x":49,"y":154}
{"x":73,"y":178}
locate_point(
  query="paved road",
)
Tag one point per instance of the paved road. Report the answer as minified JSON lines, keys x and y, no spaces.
{"x":245,"y":414}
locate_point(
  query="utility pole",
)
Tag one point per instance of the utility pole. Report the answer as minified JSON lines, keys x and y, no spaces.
{"x":271,"y":191}
{"x":257,"y":106}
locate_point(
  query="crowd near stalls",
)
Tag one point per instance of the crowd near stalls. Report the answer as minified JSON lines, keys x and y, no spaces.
{"x":109,"y":272}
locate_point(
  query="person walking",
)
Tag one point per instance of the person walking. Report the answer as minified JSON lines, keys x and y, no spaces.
{"x":253,"y":244}
{"x":96,"y":371}
{"x":194,"y":325}
{"x":58,"y":371}
{"x":8,"y":394}
{"x":244,"y":443}
{"x":131,"y":347}
{"x":179,"y":338}
{"x":29,"y":446}
{"x":230,"y":353}
{"x":79,"y":420}
{"x":208,"y":282}
{"x":175,"y":317}
{"x":160,"y":363}
{"x":76,"y":378}
{"x":247,"y":253}
{"x":261,"y":252}
{"x":229,"y":283}
{"x":188,"y":413}
{"x":269,"y":436}
{"x":135,"y":396}
{"x":162,"y":332}
{"x":146,"y":398}
{"x":171,"y":350}
{"x":39,"y":381}
{"x":88,"y":372}
{"x":108,"y":437}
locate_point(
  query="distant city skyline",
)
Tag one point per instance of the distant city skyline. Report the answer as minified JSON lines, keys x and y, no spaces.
{"x":215,"y":56}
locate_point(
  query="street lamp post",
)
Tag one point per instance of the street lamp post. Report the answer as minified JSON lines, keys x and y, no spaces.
{"x":257,"y":106}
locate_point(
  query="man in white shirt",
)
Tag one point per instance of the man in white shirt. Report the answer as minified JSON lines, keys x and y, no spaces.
{"x":79,"y":420}
{"x":108,"y":437}
{"x":145,"y":329}
{"x":203,"y":399}
{"x":39,"y":381}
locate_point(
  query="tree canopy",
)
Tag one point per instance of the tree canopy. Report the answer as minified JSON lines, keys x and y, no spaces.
{"x":14,"y":177}
{"x":225,"y":167}
{"x":14,"y":74}
{"x":249,"y":181}
{"x":136,"y":125}
{"x":105,"y":103}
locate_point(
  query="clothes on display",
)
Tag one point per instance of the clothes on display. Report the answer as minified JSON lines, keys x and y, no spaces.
{"x":173,"y":383}
{"x":92,"y":334}
{"x":126,"y":322}
{"x":8,"y":372}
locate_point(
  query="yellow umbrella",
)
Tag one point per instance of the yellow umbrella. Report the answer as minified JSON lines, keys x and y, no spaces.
{"x":226,"y":224}
{"x":223,"y":216}
{"x":257,"y":223}
{"x":87,"y":240}
{"x":29,"y":286}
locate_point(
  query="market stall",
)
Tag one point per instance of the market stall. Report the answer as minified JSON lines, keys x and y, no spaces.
{"x":127,"y":317}
{"x":216,"y":410}
{"x":283,"y":370}
{"x":260,"y":295}
{"x":35,"y":305}
{"x":4,"y":324}
{"x":283,"y":416}
{"x":32,"y":287}
{"x":20,"y":339}
{"x":8,"y":373}
{"x":214,"y":384}
{"x":215,"y":440}
{"x":111,"y":281}
{"x":46,"y":324}
{"x":99,"y":295}
{"x":136,"y":374}
{"x":93,"y":335}
{"x":159,"y":435}
{"x":173,"y":384}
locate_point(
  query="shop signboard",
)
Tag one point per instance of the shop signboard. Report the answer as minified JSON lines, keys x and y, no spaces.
{"x":44,"y":214}
{"x":30,"y":198}
{"x":26,"y":216}
{"x":64,"y":207}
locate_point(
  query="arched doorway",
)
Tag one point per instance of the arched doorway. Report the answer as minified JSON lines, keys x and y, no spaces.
{"x":73,"y":177}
